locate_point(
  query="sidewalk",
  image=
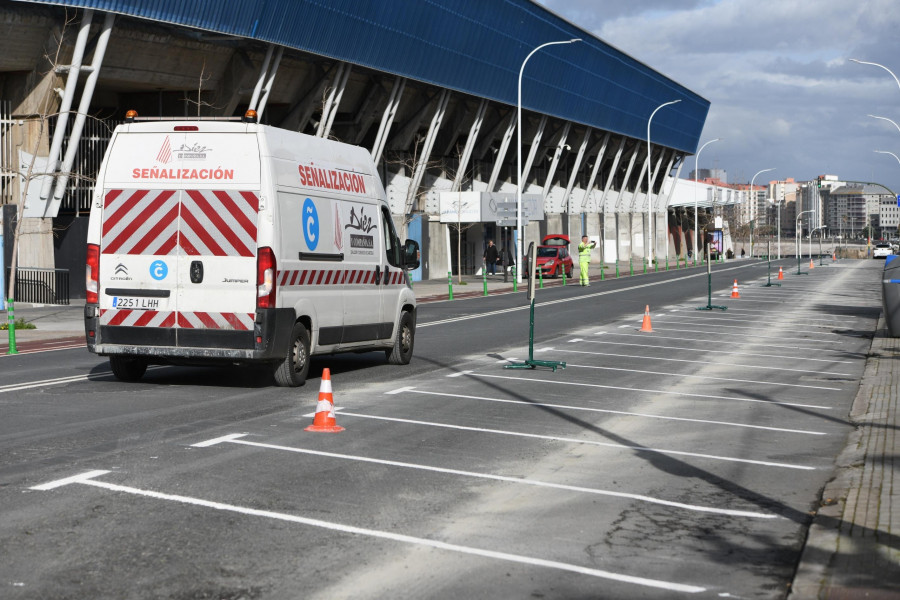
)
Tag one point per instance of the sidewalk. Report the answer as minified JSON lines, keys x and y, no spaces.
{"x":853,"y":545}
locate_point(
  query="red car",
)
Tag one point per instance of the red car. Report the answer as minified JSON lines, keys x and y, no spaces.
{"x":553,"y":256}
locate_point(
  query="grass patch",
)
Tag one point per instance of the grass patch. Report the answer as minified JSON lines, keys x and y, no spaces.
{"x":20,"y":324}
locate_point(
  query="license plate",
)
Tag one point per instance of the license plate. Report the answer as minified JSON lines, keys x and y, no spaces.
{"x":127,"y":303}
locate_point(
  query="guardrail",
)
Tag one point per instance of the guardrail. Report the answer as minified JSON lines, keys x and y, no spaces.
{"x":41,"y":286}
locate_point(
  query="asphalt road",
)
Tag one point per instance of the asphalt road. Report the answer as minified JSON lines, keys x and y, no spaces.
{"x":682,"y":462}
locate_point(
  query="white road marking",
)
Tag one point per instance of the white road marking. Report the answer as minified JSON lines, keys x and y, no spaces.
{"x":717,"y":351}
{"x":385,"y":535}
{"x":706,"y":341}
{"x":651,"y":391}
{"x":458,"y":374}
{"x":616,"y":412}
{"x":235,"y":439}
{"x":779,"y":336}
{"x":555,"y":438}
{"x":692,"y":376}
{"x":750,"y":335}
{"x":16,"y":387}
{"x":705,"y":362}
{"x":81,"y":478}
{"x":401,"y":390}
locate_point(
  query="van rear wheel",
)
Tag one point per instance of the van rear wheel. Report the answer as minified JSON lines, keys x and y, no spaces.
{"x":402,"y":351}
{"x":292,"y":371}
{"x":126,"y":368}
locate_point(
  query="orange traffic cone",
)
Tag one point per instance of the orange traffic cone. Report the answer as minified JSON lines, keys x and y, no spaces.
{"x":734,"y":290}
{"x":833,"y":257}
{"x":646,"y":326}
{"x":324,"y":419}
{"x":780,"y":273}
{"x":811,"y":265}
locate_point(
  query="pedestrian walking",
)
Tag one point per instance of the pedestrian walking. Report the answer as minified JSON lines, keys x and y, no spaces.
{"x":584,"y":258}
{"x":491,"y":256}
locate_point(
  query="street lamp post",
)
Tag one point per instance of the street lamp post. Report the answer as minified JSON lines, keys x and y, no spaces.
{"x":799,"y":234}
{"x":696,"y":174}
{"x":753,"y":203}
{"x":862,"y":62}
{"x":519,"y":233}
{"x":649,"y":184}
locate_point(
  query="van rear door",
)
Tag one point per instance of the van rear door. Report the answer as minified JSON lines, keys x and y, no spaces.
{"x":179,"y":236}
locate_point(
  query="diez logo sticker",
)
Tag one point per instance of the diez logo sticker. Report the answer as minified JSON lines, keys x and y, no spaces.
{"x":159,"y":270}
{"x":310,"y":224}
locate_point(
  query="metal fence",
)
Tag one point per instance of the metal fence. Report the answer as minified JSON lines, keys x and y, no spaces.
{"x":8,"y":158}
{"x":91,"y":147}
{"x":41,"y":286}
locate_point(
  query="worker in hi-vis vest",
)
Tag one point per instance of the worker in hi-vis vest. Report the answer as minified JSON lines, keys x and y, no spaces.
{"x":584,"y":258}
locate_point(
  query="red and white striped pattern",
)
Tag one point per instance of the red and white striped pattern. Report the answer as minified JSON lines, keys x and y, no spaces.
{"x":199,"y":223}
{"x":186,"y":320}
{"x":218,"y":223}
{"x":137,"y":318}
{"x":140,"y":222}
{"x":216,"y":320}
{"x":307,"y":277}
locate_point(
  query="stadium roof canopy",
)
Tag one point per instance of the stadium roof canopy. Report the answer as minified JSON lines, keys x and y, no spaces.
{"x":471,"y":46}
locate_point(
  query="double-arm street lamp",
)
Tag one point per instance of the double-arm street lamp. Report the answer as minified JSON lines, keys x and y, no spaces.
{"x":753,"y":205}
{"x":862,"y":62}
{"x":650,"y":185}
{"x":519,"y":237}
{"x":696,"y":176}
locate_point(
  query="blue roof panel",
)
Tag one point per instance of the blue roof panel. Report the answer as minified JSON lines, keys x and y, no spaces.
{"x":472,"y":46}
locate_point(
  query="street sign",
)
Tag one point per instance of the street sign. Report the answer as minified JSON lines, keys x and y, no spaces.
{"x":898,"y":199}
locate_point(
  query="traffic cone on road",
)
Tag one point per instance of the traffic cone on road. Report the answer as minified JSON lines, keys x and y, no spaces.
{"x":324,"y":420}
{"x":734,"y":290}
{"x":780,"y":273}
{"x":646,"y":326}
{"x":811,"y":265}
{"x":833,"y":257}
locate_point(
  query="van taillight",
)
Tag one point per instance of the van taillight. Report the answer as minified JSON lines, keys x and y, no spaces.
{"x":265,"y":278}
{"x":92,"y":274}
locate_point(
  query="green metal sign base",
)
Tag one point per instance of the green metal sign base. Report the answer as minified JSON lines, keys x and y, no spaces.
{"x":531,"y":363}
{"x":711,"y":307}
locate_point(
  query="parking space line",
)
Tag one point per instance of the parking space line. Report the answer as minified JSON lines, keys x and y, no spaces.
{"x":706,"y":350}
{"x":652,"y":391}
{"x":779,"y":336}
{"x":609,"y":411}
{"x":703,"y":362}
{"x":385,"y":535}
{"x":750,"y":335}
{"x":707,"y":318}
{"x":706,"y":341}
{"x":554,"y":438}
{"x":237,"y":439}
{"x":710,"y":377}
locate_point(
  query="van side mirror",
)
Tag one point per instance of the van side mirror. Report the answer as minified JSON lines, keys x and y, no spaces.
{"x":411,"y":254}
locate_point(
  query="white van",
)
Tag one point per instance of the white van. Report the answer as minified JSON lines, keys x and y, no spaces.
{"x":216,"y":242}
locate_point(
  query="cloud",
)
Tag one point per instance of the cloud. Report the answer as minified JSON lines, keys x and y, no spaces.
{"x":777,"y":74}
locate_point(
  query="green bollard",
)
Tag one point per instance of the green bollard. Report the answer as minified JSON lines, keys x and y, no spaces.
{"x":644,"y":263}
{"x":564,"y":276}
{"x":631,"y":266}
{"x":450,"y":283}
{"x":409,"y":277}
{"x":484,"y":280}
{"x":602,"y":270}
{"x":656,"y":265}
{"x":617,"y":268}
{"x":11,"y":318}
{"x":667,"y":262}
{"x":515,"y":280}
{"x":541,"y":275}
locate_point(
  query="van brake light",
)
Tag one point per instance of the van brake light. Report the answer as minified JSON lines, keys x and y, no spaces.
{"x":92,"y":274}
{"x":265,"y":278}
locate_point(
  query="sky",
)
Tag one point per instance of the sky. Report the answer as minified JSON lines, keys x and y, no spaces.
{"x":783,"y":93}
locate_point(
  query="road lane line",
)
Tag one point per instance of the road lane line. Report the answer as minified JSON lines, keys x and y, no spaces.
{"x":710,"y":377}
{"x":651,"y":391}
{"x":573,"y":299}
{"x":387,"y":535}
{"x":703,"y":362}
{"x":706,"y":350}
{"x":720,"y":326}
{"x":554,"y":438}
{"x":706,"y":341}
{"x":81,"y":478}
{"x":15,"y":387}
{"x":750,"y":335}
{"x":613,"y":412}
{"x":236,"y":439}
